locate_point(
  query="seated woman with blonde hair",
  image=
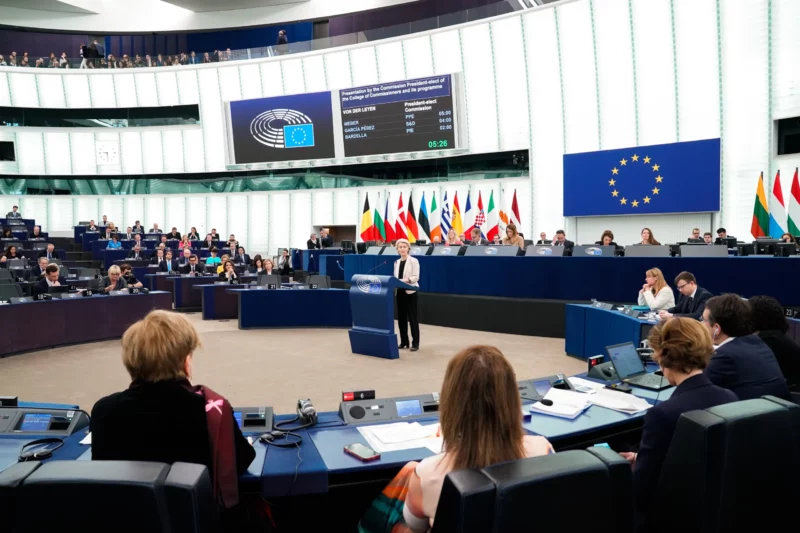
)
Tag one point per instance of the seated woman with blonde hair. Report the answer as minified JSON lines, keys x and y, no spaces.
{"x":483,"y":431}
{"x":655,"y":292}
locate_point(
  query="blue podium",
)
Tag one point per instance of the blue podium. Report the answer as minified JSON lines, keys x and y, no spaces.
{"x":372,"y":305}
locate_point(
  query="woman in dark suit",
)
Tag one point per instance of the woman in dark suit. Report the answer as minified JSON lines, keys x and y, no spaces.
{"x":406,"y":269}
{"x":682,"y":348}
{"x":162,"y":417}
{"x":770,"y":324}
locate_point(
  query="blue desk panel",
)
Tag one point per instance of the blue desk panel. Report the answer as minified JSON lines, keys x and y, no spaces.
{"x":333,"y":266}
{"x":294,"y":308}
{"x":612,"y":279}
{"x":589,"y":330}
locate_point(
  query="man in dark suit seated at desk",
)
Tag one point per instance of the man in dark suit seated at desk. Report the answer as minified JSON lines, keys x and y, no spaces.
{"x":192,"y":268}
{"x":51,"y":279}
{"x":476,"y":239}
{"x":561,"y":240}
{"x":50,"y":253}
{"x":136,"y":253}
{"x":325,"y":238}
{"x":169,"y":264}
{"x":313,"y":243}
{"x":742,"y":362}
{"x":692,"y":300}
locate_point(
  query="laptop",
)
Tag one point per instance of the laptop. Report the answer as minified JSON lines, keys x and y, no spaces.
{"x":631,"y":370}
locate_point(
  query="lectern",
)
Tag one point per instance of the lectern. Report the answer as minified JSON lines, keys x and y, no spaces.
{"x":372,"y":305}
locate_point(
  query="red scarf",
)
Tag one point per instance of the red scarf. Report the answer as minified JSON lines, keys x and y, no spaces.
{"x":219,"y":416}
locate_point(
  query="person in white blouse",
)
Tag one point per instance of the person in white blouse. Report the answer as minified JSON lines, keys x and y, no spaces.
{"x":655,"y":293}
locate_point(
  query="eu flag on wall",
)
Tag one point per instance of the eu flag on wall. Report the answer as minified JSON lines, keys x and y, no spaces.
{"x":664,"y":178}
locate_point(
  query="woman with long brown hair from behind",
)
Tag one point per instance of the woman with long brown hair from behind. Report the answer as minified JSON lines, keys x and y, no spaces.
{"x":477,"y":433}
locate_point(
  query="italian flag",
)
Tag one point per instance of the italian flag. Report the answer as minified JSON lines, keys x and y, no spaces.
{"x":760,"y":225}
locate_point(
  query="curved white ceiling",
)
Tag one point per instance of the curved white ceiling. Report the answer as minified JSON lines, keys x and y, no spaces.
{"x":145,"y":16}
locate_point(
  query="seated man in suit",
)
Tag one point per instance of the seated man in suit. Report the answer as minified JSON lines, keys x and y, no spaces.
{"x":192,"y":268}
{"x":174,"y":234}
{"x":169,"y":264}
{"x":325,"y":238}
{"x":313,"y":243}
{"x":36,"y":233}
{"x":692,"y":300}
{"x":14,"y":213}
{"x":50,"y":253}
{"x":476,"y":239}
{"x":543,"y":239}
{"x":37,"y":272}
{"x":51,"y":279}
{"x":241,"y":258}
{"x":695,"y":238}
{"x":113,"y":281}
{"x":682,"y":348}
{"x":742,"y":362}
{"x":155,"y":228}
{"x":561,"y":240}
{"x":136,"y":253}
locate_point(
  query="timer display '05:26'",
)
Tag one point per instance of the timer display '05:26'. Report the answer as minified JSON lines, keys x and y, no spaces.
{"x":437,"y":144}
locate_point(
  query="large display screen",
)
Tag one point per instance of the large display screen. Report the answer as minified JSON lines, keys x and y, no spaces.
{"x":404,"y":116}
{"x":282,"y":128}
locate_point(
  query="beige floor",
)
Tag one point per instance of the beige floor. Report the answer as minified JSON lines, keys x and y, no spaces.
{"x":275,"y":367}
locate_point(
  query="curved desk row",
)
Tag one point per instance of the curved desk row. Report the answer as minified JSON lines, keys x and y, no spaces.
{"x":45,"y":324}
{"x":611,"y":279}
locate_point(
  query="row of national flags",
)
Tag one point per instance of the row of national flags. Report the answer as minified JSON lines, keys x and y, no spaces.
{"x":390,"y":218}
{"x":779,"y":220}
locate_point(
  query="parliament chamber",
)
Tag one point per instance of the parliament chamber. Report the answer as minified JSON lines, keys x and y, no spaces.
{"x":399,"y":266}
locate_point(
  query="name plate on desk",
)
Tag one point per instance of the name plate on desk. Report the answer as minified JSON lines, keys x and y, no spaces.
{"x":387,"y":409}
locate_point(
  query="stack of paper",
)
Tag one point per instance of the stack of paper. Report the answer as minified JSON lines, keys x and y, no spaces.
{"x":619,"y":401}
{"x":566,"y":404}
{"x":402,"y":436}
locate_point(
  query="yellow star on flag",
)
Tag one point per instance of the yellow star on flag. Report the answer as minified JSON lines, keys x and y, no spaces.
{"x":623,"y":162}
{"x":615,"y":170}
{"x":623,"y":201}
{"x":655,"y":190}
{"x":614,"y":192}
{"x":647,"y":199}
{"x":655,"y":168}
{"x":612,"y":182}
{"x":659,"y":179}
{"x":635,"y":203}
{"x":635,"y":158}
{"x":646,"y":159}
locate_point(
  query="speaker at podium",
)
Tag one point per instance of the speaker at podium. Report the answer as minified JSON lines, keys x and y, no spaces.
{"x":372,"y":305}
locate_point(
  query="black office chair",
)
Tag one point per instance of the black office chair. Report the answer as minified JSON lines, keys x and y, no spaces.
{"x":318,"y":282}
{"x":734,"y":460}
{"x":466,"y":503}
{"x":119,"y":496}
{"x":548,"y":484}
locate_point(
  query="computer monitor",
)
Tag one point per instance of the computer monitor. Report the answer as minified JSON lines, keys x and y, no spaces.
{"x":625,"y":360}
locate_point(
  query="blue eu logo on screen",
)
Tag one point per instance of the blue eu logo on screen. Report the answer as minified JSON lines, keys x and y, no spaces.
{"x":298,"y":136}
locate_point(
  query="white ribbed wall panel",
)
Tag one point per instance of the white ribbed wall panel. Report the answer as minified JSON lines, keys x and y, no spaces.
{"x":480,"y":93}
{"x":217,"y":214}
{"x":337,"y":70}
{"x":293,"y":78}
{"x":83,"y":153}
{"x":314,"y":72}
{"x":322,"y":207}
{"x":51,"y":91}
{"x":154,"y":210}
{"x":271,"y":79}
{"x":114,"y":208}
{"x":258,"y":220}
{"x":250,"y":76}
{"x":364,"y":66}
{"x":103,"y":91}
{"x":57,"y":153}
{"x":391,"y":66}
{"x":280,"y":223}
{"x":419,"y":56}
{"x":175,"y":216}
{"x":77,"y":90}
{"x":167,"y":87}
{"x":237,"y":220}
{"x":23,"y":90}
{"x":508,"y":52}
{"x":579,"y":85}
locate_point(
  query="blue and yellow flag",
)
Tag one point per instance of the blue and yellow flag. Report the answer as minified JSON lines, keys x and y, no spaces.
{"x":664,"y":178}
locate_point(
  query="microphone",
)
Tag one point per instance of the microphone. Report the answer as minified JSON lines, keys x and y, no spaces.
{"x":371,"y":270}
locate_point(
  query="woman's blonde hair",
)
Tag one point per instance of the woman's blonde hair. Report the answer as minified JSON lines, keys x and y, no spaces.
{"x":480,"y":409}
{"x":681,"y":344}
{"x":660,"y":281}
{"x":155,"y":348}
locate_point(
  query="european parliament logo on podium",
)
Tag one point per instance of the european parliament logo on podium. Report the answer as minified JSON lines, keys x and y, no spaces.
{"x":666,"y":178}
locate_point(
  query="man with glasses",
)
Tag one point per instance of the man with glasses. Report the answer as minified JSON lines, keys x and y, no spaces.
{"x":692,"y":300}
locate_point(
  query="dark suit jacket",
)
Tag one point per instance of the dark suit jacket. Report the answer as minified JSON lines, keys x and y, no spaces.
{"x":41,"y":286}
{"x":692,"y":307}
{"x":787,"y":352}
{"x":154,"y":422}
{"x":163,"y":266}
{"x":312,"y":245}
{"x":43,"y":253}
{"x":748,"y":367}
{"x":187,"y":268}
{"x":327,"y":242}
{"x":697,"y":392}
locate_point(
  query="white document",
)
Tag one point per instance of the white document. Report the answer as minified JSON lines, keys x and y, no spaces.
{"x":566,"y":404}
{"x":619,"y":401}
{"x":424,"y":438}
{"x":87,"y":440}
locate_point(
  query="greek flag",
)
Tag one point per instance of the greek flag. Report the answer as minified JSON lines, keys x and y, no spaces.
{"x":445,"y":225}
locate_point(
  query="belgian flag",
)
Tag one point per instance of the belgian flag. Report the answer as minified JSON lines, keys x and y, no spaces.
{"x":367,"y":227}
